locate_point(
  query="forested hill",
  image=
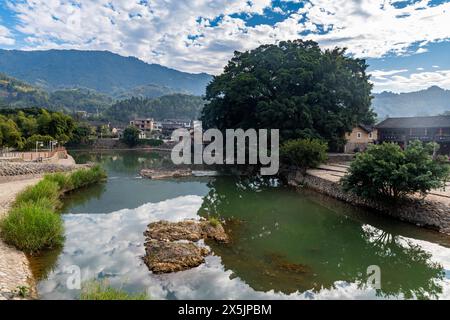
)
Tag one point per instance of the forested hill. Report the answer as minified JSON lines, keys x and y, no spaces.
{"x":18,"y":94}
{"x":15,"y":93}
{"x":429,"y":102}
{"x":179,"y":106}
{"x":102,"y":71}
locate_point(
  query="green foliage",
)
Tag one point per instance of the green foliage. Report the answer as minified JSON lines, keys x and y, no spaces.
{"x":21,"y":128}
{"x":98,"y":70}
{"x":30,"y":143}
{"x":63,"y":180}
{"x":18,"y":94}
{"x":32,"y":226}
{"x":151,"y":142}
{"x":43,"y":190}
{"x":84,"y":177}
{"x":23,"y":291}
{"x":10,"y":135}
{"x":294,"y":86}
{"x":388,"y":172}
{"x":100,"y":290}
{"x":175,"y":106}
{"x":304,"y":153}
{"x":131,"y":136}
{"x":81,"y":134}
{"x":213,"y":221}
{"x":79,"y":100}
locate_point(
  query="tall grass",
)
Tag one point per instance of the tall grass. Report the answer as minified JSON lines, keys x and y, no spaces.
{"x":100,"y":290}
{"x":85,"y":177}
{"x":32,"y":224}
{"x":45,"y":189}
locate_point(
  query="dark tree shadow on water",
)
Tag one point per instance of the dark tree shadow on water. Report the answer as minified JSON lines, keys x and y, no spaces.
{"x":283,"y":241}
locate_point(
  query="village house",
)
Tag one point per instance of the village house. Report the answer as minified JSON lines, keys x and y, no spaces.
{"x":360,"y":137}
{"x":143,"y":124}
{"x":425,"y":129}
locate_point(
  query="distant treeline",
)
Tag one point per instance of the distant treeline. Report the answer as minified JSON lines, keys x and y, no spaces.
{"x":15,"y":94}
{"x":22,"y":128}
{"x":179,"y":106}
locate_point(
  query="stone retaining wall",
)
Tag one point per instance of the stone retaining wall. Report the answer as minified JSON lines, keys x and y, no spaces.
{"x":421,"y":212}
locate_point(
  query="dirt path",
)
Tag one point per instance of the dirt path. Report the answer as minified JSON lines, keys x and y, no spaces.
{"x":14,"y":268}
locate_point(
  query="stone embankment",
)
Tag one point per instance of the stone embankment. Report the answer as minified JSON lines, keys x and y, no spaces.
{"x":172,"y":246}
{"x":432,"y":211}
{"x":13,"y":171}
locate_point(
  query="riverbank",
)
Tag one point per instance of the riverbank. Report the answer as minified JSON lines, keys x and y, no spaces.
{"x":432,"y":212}
{"x":15,"y":177}
{"x":15,"y":269}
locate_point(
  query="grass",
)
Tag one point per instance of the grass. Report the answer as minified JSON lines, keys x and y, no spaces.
{"x":32,"y":226}
{"x":48,"y":190}
{"x":33,"y":223}
{"x":100,"y":290}
{"x":214,"y":221}
{"x":85,"y":177}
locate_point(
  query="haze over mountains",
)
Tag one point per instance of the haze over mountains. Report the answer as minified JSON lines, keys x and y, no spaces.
{"x":429,"y":102}
{"x":103,"y":71}
{"x":92,"y":80}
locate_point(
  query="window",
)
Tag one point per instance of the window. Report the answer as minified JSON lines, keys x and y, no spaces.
{"x":358,"y":135}
{"x":370,"y":135}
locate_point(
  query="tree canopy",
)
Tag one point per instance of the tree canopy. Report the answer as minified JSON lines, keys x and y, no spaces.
{"x":131,"y":136}
{"x":20,"y":128}
{"x":294,"y":86}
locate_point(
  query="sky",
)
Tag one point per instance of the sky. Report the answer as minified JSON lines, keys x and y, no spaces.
{"x":406,"y":43}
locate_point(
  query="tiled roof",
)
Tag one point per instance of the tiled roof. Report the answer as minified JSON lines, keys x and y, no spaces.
{"x":415,"y":122}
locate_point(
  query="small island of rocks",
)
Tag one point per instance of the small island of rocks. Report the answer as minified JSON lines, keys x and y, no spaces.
{"x":173,"y":246}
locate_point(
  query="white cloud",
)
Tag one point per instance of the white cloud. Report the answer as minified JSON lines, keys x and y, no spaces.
{"x":412,"y":82}
{"x":6,"y":36}
{"x":160,"y":31}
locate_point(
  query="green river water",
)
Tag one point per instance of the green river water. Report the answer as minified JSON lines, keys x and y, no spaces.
{"x":285,"y":244}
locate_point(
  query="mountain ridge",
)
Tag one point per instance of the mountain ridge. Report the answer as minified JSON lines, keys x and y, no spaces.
{"x":102,"y":71}
{"x":427,"y":102}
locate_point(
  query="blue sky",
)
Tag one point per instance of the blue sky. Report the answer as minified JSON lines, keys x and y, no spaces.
{"x":406,"y":43}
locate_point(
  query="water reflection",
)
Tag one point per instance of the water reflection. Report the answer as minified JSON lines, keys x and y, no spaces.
{"x":286,"y":242}
{"x":285,"y":245}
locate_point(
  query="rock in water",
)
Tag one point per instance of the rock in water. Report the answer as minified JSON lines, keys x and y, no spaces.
{"x":165,"y":174}
{"x":190,"y":230}
{"x":171,"y":246}
{"x":165,"y":257}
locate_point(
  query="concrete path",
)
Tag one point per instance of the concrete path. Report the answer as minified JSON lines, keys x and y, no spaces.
{"x":335,"y":171}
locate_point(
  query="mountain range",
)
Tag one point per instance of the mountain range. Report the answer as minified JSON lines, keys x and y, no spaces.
{"x":93,"y":80}
{"x":102,"y":71}
{"x":429,"y":102}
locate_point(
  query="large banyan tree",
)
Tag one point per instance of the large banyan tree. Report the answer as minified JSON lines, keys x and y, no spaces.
{"x":294,"y":86}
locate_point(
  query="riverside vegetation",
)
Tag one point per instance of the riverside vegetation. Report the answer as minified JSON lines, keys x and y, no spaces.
{"x":33,"y":223}
{"x":100,"y":290}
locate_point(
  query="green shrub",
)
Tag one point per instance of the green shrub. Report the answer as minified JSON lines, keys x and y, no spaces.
{"x":304,"y":153}
{"x":151,"y":142}
{"x":85,"y":177}
{"x":32,"y":226}
{"x":99,"y":290}
{"x":387,"y":172}
{"x":45,"y":189}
